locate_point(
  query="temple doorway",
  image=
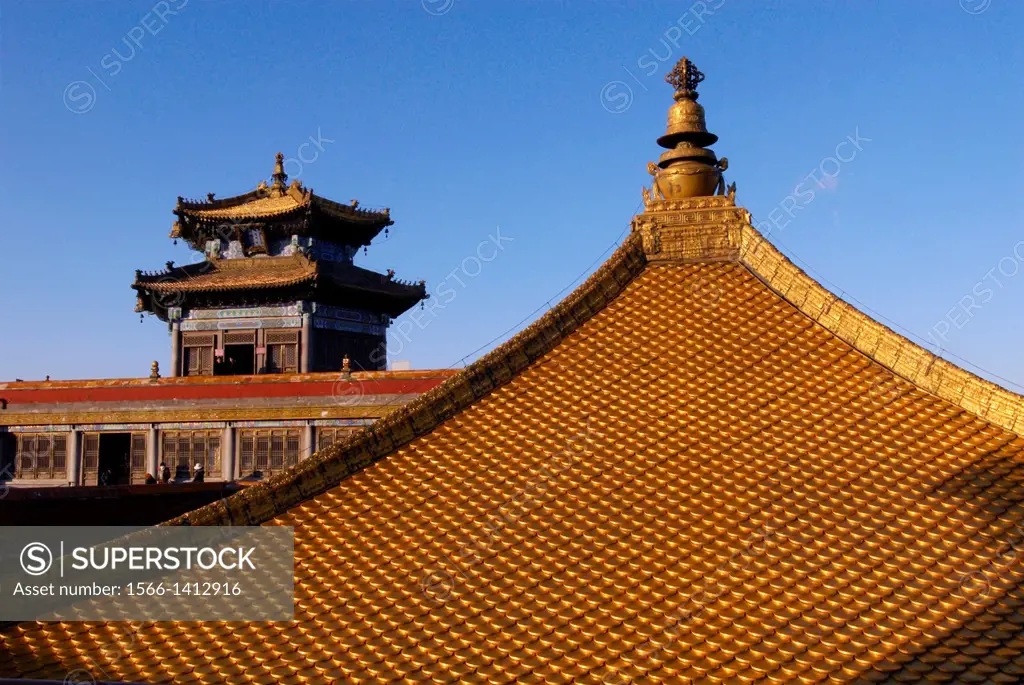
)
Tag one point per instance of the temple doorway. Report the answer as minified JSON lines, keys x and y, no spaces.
{"x":238,"y":360}
{"x":115,"y":458}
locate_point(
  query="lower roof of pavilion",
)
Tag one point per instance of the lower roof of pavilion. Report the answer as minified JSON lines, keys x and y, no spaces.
{"x":264,"y":280}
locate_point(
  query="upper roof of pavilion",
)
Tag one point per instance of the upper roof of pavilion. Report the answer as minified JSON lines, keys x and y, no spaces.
{"x":297,"y":207}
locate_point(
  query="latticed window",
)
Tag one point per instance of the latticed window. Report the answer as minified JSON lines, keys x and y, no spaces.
{"x":282,"y":351}
{"x":169,"y":451}
{"x":90,"y":458}
{"x":26,"y":456}
{"x":43,"y":446}
{"x":282,"y":359}
{"x":197,"y":354}
{"x":276,"y":451}
{"x":240,"y":337}
{"x":138,"y":457}
{"x":329,"y":436}
{"x":41,"y":455}
{"x":267,"y":451}
{"x":246,"y":454}
{"x":198,"y":361}
{"x":182,"y":450}
{"x":183,"y":464}
{"x":60,"y":456}
{"x":211,"y":450}
{"x":262,"y":453}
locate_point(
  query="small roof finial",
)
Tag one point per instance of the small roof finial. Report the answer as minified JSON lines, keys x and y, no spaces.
{"x":685,"y":77}
{"x":280,"y":178}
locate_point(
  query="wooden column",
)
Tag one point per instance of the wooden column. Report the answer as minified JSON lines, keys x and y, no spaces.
{"x":153,"y":453}
{"x":175,"y":349}
{"x":227,"y":454}
{"x":306,"y":344}
{"x":74,"y":458}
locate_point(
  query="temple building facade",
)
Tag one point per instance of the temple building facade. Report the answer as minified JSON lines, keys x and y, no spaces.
{"x":278,"y":349}
{"x":701,"y":466}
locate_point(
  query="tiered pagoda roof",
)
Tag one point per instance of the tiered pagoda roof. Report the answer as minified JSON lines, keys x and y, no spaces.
{"x":299,"y":208}
{"x":269,"y":263}
{"x":701,"y":466}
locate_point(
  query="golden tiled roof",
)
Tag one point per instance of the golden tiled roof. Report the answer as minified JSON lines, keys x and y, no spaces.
{"x":267,"y":202}
{"x":281,"y":210}
{"x":699,"y":467}
{"x":261,"y":207}
{"x":232,"y":274}
{"x":365,"y":287}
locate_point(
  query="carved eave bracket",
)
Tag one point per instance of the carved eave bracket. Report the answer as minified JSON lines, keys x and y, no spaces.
{"x":692,"y":229}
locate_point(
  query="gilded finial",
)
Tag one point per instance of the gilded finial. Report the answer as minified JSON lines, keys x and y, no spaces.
{"x":688,"y":168}
{"x":280,"y":178}
{"x":346,"y":367}
{"x":154,"y":371}
{"x":685,"y":116}
{"x":684,"y":77}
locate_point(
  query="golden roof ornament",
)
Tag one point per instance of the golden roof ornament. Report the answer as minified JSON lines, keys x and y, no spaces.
{"x":686,"y":117}
{"x":688,"y":168}
{"x":684,"y":77}
{"x":280,"y":178}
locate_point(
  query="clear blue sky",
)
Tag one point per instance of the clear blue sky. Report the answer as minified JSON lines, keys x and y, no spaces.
{"x":468,"y":116}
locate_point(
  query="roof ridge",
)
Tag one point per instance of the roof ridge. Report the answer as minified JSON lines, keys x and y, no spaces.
{"x":327,"y":468}
{"x":354,"y":208}
{"x":254,"y":207}
{"x":879,"y":343}
{"x":217,"y":202}
{"x":713,"y":228}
